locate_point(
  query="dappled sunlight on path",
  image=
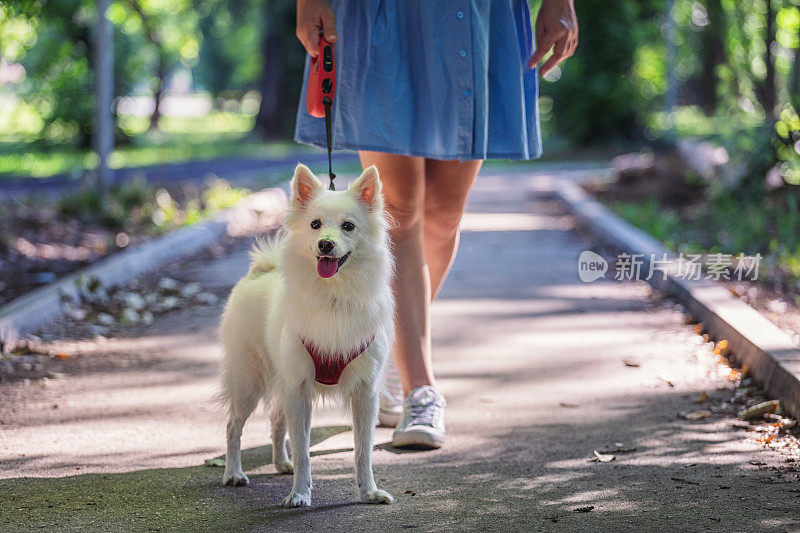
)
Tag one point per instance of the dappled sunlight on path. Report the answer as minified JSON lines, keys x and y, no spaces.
{"x":532,"y":363}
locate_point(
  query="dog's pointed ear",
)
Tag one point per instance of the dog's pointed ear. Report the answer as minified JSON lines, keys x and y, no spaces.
{"x":304,"y":185}
{"x":367,"y":189}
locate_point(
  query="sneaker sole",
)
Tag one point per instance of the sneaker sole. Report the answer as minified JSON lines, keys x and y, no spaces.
{"x":421,"y":438}
{"x":388,"y":419}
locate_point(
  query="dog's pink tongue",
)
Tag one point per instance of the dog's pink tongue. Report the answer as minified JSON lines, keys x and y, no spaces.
{"x":327,"y":266}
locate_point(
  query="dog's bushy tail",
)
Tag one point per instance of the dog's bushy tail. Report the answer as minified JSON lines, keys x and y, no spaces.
{"x":265,"y":255}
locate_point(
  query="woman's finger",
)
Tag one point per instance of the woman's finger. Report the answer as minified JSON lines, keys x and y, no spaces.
{"x":558,"y":56}
{"x":573,"y":45}
{"x":548,"y":40}
{"x":329,"y":25}
{"x":308,"y":34}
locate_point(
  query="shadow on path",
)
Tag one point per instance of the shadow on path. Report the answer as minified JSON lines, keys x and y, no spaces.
{"x":186,"y":499}
{"x":531,"y":477}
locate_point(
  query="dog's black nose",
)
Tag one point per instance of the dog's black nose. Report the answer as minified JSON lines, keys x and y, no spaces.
{"x":325,"y":246}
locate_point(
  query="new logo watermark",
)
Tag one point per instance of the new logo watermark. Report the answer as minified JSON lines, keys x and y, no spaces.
{"x":592,"y":266}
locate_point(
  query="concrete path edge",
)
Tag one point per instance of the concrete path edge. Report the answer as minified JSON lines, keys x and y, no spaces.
{"x":755,"y":342}
{"x":31,"y":311}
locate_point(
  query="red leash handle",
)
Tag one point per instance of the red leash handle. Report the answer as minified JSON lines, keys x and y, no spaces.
{"x":321,"y":88}
{"x":321,"y":80}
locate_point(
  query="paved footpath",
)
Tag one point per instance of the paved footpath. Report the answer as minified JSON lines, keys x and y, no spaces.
{"x":530,"y":359}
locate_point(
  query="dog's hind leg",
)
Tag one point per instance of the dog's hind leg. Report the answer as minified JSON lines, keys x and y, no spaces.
{"x":277,"y":419}
{"x":243,"y":396}
{"x":297,"y":406}
{"x":365,"y":411}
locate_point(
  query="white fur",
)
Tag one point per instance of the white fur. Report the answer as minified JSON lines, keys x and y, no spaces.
{"x":281,"y":299}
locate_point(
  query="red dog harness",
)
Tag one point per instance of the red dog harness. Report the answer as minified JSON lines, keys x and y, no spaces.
{"x":328,"y":367}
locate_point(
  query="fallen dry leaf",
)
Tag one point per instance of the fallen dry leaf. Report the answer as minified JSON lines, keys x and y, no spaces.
{"x":63,"y":356}
{"x":760,"y":409}
{"x":696,"y":415}
{"x":701,"y":398}
{"x":603,"y":457}
{"x":684,"y":481}
{"x":766,"y":439}
{"x":722,"y":347}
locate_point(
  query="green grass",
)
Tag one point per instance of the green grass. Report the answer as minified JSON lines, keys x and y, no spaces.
{"x":37,"y":164}
{"x":219,"y":134}
{"x":725,"y":224}
{"x":663,"y":224}
{"x":149,"y":209}
{"x":690,"y":121}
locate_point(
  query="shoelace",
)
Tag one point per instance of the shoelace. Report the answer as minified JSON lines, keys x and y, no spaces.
{"x":423,"y":415}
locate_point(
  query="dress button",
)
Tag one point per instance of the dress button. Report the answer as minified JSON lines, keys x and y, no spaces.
{"x":460,"y":15}
{"x":463,"y":53}
{"x":466,"y":92}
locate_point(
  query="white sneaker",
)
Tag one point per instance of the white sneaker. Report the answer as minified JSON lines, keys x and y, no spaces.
{"x":391,"y":397}
{"x":422,"y":423}
{"x":390,"y":411}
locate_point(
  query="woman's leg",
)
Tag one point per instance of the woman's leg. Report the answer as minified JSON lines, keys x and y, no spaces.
{"x":426,"y":198}
{"x":447,"y":184}
{"x":403,"y":181}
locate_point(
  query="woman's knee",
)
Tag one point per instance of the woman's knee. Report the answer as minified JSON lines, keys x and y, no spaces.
{"x":447,"y":186}
{"x":440,"y":229}
{"x":406,"y":215}
{"x":442,"y":219}
{"x":403,"y":186}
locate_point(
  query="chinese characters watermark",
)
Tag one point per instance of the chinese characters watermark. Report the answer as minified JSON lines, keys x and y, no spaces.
{"x":716,"y":266}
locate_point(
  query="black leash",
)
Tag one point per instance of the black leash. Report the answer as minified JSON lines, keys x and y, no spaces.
{"x":327,"y":102}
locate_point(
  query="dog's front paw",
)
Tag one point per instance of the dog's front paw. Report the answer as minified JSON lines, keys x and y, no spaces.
{"x":284,"y":467}
{"x":376,"y":496}
{"x":295,"y":499}
{"x":235,"y":479}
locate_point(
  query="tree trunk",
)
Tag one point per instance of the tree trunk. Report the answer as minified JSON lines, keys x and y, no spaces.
{"x":670,"y":65}
{"x":794,"y":84}
{"x":277,"y":97}
{"x":766,"y":93}
{"x":158,"y":92}
{"x":151,"y":32}
{"x":104,"y":95}
{"x":712,"y":55}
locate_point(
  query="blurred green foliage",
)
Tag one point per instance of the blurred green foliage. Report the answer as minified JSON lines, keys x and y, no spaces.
{"x":595,"y":94}
{"x":736,"y":71}
{"x":727,"y":223}
{"x":736,"y":74}
{"x":136,"y":206}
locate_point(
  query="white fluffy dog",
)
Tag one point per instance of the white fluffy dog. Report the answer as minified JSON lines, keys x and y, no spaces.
{"x":314,"y":316}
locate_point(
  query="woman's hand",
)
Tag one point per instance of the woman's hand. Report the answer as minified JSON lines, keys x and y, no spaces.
{"x":556,"y":28}
{"x":315,"y":18}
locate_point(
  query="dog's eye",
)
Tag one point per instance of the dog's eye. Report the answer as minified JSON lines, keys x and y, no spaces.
{"x":316,"y":224}
{"x":348,"y":226}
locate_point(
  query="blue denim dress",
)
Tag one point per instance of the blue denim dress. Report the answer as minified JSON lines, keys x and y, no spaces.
{"x":438,"y":79}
